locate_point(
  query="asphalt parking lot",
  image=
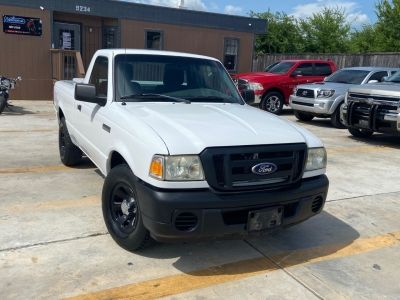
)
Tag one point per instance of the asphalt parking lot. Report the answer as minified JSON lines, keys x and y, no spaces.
{"x":54,"y":244}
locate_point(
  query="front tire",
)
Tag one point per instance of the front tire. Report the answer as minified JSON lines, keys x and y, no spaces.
{"x":303,"y":116}
{"x":3,"y":103}
{"x":70,"y":154}
{"x":121,"y":210}
{"x":336,"y":119}
{"x":361,"y":133}
{"x":273,"y":103}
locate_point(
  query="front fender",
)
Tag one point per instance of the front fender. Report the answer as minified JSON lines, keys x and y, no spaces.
{"x":336,"y":103}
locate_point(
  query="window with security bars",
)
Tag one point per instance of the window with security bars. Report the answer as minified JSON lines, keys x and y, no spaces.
{"x":231,"y":51}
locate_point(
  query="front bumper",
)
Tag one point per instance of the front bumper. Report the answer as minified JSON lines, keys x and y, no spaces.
{"x":222,"y":215}
{"x":321,"y":107}
{"x":373,"y":117}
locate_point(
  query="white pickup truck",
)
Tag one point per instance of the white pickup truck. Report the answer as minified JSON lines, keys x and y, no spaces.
{"x":183,"y":154}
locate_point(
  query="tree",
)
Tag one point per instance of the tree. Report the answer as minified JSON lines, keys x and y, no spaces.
{"x":388,"y":25}
{"x":366,"y":40}
{"x":326,"y":31}
{"x":283,"y":35}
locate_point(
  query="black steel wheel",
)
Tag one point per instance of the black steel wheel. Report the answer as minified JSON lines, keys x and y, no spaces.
{"x":272,"y":102}
{"x":336,"y":119}
{"x":361,"y":133}
{"x":121,"y":210}
{"x":70,"y":154}
{"x":3,"y":103}
{"x":303,"y":116}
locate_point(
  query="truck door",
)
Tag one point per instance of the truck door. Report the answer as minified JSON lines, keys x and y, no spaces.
{"x":90,"y":117}
{"x":302,"y":74}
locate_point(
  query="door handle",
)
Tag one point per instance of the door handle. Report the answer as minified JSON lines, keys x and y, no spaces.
{"x":79,"y":107}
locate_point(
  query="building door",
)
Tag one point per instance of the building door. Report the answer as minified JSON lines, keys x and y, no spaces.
{"x":67,"y":36}
{"x":92,"y":43}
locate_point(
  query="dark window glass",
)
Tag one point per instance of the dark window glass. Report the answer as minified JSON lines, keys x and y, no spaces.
{"x":110,"y":37}
{"x":231,"y":51}
{"x":154,"y":40}
{"x":140,"y":77}
{"x":282,"y":67}
{"x":348,"y":76}
{"x":305,"y":69}
{"x":378,"y":76}
{"x":99,"y":76}
{"x":322,"y":69}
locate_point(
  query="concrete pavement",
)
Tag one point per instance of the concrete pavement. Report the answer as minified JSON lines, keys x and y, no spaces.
{"x":53,"y":242}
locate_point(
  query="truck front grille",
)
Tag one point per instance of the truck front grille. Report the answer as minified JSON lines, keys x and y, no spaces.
{"x":373,"y":99}
{"x":242,"y":84}
{"x":230,"y":168}
{"x":305,"y":93}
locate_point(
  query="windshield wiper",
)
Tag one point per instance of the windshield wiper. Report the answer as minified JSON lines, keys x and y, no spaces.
{"x":339,"y":81}
{"x":155,"y":96}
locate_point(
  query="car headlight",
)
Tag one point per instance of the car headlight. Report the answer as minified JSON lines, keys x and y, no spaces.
{"x":316,"y":159}
{"x":325,"y":93}
{"x":176,"y":168}
{"x":255,"y":86}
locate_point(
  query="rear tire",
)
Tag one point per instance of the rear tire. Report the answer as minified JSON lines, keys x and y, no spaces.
{"x":121,"y":210}
{"x":303,"y":116}
{"x":273,"y":103}
{"x":336,"y":119}
{"x":361,"y":133}
{"x":3,"y":103}
{"x":70,"y":154}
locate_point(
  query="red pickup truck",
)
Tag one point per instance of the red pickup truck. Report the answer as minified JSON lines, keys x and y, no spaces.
{"x":273,"y":88}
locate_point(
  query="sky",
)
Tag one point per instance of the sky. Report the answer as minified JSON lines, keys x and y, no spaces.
{"x":358,"y":12}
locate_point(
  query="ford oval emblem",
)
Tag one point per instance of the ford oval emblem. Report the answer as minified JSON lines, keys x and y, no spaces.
{"x":264,"y":169}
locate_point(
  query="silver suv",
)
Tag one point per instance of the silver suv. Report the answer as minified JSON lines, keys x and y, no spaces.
{"x":325,"y":99}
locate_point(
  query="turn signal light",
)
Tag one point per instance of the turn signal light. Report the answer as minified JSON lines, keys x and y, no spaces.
{"x":156,"y":167}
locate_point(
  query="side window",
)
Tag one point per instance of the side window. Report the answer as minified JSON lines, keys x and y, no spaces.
{"x":99,"y":76}
{"x":154,"y":40}
{"x":322,"y":69}
{"x":378,"y":76}
{"x":305,"y":69}
{"x":392,"y":73}
{"x":231,"y":52}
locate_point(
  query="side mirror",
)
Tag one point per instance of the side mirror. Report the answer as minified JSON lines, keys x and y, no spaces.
{"x":385,"y":78}
{"x":249,"y":96}
{"x":296,"y":73}
{"x":87,"y":93}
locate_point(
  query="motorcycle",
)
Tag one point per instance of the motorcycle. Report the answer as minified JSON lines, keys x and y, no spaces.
{"x":6,"y":84}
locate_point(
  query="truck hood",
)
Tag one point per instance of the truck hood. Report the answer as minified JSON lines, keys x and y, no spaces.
{"x":383,"y":89}
{"x":190,"y":128}
{"x":259,"y":76}
{"x":340,"y":88}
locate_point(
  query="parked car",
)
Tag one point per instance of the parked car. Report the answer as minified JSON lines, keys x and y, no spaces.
{"x":324,"y":99}
{"x":183,"y":155}
{"x":273,"y":88}
{"x":373,"y":108}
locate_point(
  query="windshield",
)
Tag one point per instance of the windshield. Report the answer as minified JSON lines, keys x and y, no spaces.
{"x":162,"y":78}
{"x":282,"y":67}
{"x":269,"y":67}
{"x":348,"y":76}
{"x":394,"y":78}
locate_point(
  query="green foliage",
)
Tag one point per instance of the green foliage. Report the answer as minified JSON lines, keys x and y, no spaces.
{"x":365,"y":40}
{"x":326,"y":31}
{"x":388,"y":25}
{"x":283,"y":35}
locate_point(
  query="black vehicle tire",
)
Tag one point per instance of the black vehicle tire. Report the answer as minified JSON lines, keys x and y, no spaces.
{"x":3,"y":103}
{"x":70,"y":154}
{"x":361,"y":133}
{"x":336,"y":119}
{"x":272,"y":102}
{"x":303,"y":116}
{"x":121,"y":210}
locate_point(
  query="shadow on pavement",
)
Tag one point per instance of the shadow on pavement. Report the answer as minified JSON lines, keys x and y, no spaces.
{"x":324,"y":232}
{"x":378,"y":139}
{"x":14,"y":110}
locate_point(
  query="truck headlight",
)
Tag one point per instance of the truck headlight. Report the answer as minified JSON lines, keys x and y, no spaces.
{"x":176,"y":168}
{"x":316,"y":159}
{"x":325,"y":93}
{"x":255,"y":86}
